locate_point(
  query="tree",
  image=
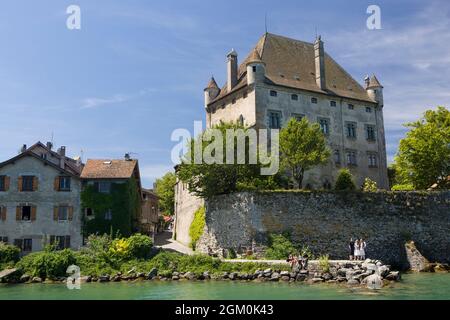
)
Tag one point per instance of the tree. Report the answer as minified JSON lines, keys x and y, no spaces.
{"x":423,"y":157}
{"x":208,"y":179}
{"x":302,"y":146}
{"x":165,"y":190}
{"x":344,"y":180}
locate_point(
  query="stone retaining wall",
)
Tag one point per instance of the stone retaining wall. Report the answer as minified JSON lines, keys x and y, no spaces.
{"x":325,"y":221}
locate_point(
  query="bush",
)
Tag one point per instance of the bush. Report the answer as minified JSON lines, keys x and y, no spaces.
{"x":369,"y":185}
{"x":48,"y":263}
{"x":197,"y":226}
{"x":344,"y":180}
{"x":280,"y":247}
{"x":8,"y":253}
{"x":140,"y":246}
{"x":402,"y":187}
{"x":324,"y":263}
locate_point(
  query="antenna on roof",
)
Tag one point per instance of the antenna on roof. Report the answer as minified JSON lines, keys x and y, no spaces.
{"x":316,"y":32}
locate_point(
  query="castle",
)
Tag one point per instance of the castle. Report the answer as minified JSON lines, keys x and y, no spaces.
{"x":283,"y":78}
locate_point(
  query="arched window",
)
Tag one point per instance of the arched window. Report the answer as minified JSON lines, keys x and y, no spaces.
{"x":241,"y":120}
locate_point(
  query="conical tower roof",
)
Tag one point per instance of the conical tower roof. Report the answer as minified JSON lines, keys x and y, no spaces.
{"x":254,"y":57}
{"x":212,"y":84}
{"x":374,"y":83}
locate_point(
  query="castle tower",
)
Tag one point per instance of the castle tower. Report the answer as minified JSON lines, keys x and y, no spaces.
{"x":256,"y":68}
{"x":319,"y":56}
{"x":211,"y":91}
{"x":374,"y":89}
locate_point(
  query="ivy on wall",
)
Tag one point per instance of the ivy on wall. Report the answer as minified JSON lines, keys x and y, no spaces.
{"x":124,"y":202}
{"x":197,"y":226}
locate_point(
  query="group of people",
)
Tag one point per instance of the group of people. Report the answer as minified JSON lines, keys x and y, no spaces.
{"x":298,"y":263}
{"x":357,"y":249}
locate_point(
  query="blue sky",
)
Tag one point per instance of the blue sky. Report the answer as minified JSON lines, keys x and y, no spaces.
{"x":136,"y":70}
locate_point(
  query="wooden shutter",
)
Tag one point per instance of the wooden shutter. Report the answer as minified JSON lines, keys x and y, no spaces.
{"x":56,"y":213}
{"x":3,"y":213}
{"x":70,"y":213}
{"x":35,"y":183}
{"x":56,"y":184}
{"x":7,"y":182}
{"x":67,"y":242}
{"x":19,"y":183}
{"x":18,"y":213}
{"x":33,"y":213}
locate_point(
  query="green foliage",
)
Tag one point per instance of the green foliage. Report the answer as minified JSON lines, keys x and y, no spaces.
{"x":206,"y":180}
{"x":302,"y":146}
{"x":305,"y":251}
{"x":197,"y":226}
{"x":8,"y":253}
{"x":324,"y":263}
{"x":137,"y":246}
{"x":124,"y":203}
{"x":48,"y":263}
{"x":423,"y":157}
{"x":344,"y":180}
{"x":402,"y":187}
{"x":165,"y":189}
{"x":280,"y":247}
{"x":369,"y":185}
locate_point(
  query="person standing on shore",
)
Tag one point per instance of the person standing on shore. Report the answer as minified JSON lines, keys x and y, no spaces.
{"x":357,"y":249}
{"x":351,"y":247}
{"x":362,"y":249}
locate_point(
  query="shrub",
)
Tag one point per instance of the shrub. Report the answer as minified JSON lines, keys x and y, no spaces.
{"x":402,"y":187}
{"x":48,"y":263}
{"x":280,"y":247}
{"x":197,"y":226}
{"x":140,"y":246}
{"x":8,"y":253}
{"x":306,"y":252}
{"x":344,"y":180}
{"x":324,"y":263}
{"x":369,"y":185}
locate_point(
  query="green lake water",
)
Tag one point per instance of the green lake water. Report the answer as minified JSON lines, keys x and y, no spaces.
{"x":412,"y":286}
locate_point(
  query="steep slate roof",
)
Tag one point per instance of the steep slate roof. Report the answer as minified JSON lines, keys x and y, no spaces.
{"x":212,"y":83}
{"x":109,"y":169}
{"x":291,"y":63}
{"x":374,"y":83}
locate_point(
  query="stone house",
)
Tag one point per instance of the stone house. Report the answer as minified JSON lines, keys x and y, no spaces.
{"x":283,"y":78}
{"x":149,"y":220}
{"x":111,"y":197}
{"x":40,"y":199}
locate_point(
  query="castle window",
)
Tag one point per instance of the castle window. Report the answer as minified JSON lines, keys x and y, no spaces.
{"x":294,"y":97}
{"x":298,"y":116}
{"x":332,"y":103}
{"x":337,"y":156}
{"x":241,"y":120}
{"x":351,"y":158}
{"x":273,"y":93}
{"x":254,"y":68}
{"x":350,"y":106}
{"x":2,"y":183}
{"x":372,"y":160}
{"x":368,"y":109}
{"x":370,"y":133}
{"x":324,"y":126}
{"x":351,"y":130}
{"x":274,"y":120}
{"x":314,"y":100}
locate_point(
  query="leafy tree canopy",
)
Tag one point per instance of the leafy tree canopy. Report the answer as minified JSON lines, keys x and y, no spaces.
{"x":165,"y":189}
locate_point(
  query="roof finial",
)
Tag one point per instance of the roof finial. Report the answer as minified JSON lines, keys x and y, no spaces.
{"x":265,"y":21}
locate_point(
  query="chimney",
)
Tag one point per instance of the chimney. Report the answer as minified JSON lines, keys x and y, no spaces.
{"x":62,"y":154}
{"x":127,"y":157}
{"x":24,"y":148}
{"x":319,"y":55}
{"x":49,"y":145}
{"x":232,"y":70}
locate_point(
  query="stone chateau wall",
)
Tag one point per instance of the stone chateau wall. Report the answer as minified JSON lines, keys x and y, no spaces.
{"x":325,"y":221}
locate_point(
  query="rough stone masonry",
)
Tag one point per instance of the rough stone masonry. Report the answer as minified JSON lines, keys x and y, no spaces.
{"x":325,"y":222}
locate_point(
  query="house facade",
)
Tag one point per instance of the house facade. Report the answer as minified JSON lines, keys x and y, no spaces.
{"x":284,"y":78}
{"x":111,"y":197}
{"x":40,"y":199}
{"x":149,"y":219}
